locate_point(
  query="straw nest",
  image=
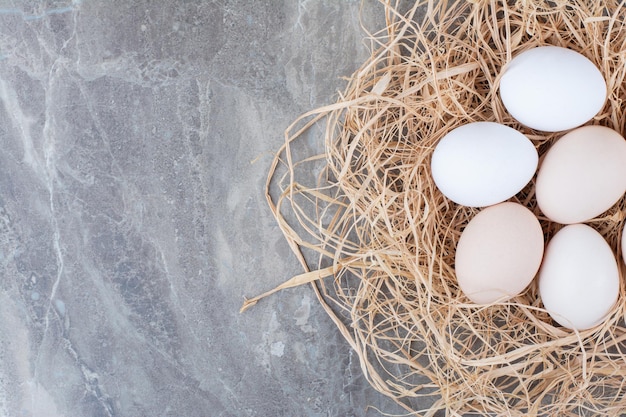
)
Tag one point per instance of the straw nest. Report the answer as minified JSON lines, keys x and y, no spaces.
{"x":383,"y":237}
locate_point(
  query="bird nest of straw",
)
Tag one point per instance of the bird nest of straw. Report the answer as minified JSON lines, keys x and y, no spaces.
{"x":377,"y":239}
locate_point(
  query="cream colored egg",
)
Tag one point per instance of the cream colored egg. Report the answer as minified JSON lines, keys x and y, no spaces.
{"x":499,"y":253}
{"x":582,"y":175}
{"x":579,"y":278}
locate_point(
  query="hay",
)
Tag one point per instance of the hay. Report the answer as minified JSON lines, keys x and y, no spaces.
{"x":385,"y":236}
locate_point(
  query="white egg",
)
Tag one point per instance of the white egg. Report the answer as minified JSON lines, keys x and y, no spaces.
{"x":551,"y":88}
{"x":483,"y":163}
{"x":579,"y":278}
{"x":624,"y":243}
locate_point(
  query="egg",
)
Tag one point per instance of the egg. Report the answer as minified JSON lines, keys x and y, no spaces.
{"x":624,"y":243}
{"x":582,"y":175}
{"x":483,"y":163}
{"x":551,"y":88}
{"x":579,"y":278}
{"x":499,"y":253}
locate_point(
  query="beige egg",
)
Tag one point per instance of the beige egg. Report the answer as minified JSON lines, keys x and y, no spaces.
{"x":499,"y":253}
{"x":582,"y":175}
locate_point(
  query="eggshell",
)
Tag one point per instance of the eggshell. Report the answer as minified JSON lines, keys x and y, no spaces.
{"x":624,"y":243}
{"x":579,"y":279}
{"x":483,"y":163}
{"x":551,"y":88}
{"x":582,"y":175}
{"x":499,"y":253}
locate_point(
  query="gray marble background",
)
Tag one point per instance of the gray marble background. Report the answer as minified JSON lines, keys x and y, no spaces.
{"x":135,"y":140}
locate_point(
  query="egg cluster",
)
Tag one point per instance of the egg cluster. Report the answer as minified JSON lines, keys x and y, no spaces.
{"x":582,"y":175}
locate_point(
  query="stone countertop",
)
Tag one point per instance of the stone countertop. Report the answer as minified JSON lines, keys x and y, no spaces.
{"x":136,"y":139}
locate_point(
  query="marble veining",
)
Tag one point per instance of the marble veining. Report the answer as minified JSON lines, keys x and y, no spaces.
{"x":135,"y":140}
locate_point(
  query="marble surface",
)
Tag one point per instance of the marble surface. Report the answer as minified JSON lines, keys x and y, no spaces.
{"x":135,"y":141}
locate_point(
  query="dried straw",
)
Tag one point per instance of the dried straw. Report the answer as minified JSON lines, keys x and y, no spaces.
{"x":385,"y":236}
